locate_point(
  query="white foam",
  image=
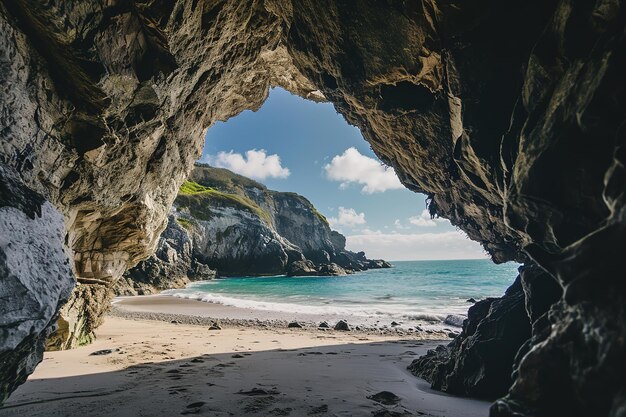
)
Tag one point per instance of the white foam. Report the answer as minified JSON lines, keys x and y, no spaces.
{"x":371,"y":313}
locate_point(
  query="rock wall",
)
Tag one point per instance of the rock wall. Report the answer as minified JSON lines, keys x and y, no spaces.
{"x":173,"y":265}
{"x":35,"y":278}
{"x":106,"y":105}
{"x":480,"y":361}
{"x":509,"y":116}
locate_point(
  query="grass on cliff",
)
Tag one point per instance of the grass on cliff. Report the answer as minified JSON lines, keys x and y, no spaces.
{"x":199,"y":199}
{"x":186,"y":223}
{"x":320,"y":216}
{"x":190,"y":187}
{"x":222,"y":178}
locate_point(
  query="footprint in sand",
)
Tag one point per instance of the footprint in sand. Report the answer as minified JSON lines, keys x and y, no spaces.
{"x":258,"y":392}
{"x":281,"y":411}
{"x":319,"y":410}
{"x":389,"y":413}
{"x":259,"y":404}
{"x":385,"y":397}
{"x":193,"y":408}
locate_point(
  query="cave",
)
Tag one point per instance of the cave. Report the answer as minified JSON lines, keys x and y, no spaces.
{"x":509,"y":117}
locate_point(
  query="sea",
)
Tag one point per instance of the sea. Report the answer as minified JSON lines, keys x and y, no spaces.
{"x":412,"y":293}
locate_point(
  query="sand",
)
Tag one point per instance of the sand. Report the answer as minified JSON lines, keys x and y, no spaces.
{"x":158,"y":368}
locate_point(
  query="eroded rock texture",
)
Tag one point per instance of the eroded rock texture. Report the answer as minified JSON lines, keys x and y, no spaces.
{"x":508,"y":115}
{"x":479,"y":362}
{"x":173,"y":264}
{"x":35,"y":278}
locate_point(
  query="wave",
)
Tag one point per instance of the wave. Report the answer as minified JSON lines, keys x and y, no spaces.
{"x":429,"y":317}
{"x":372,"y":312}
{"x":384,"y":297}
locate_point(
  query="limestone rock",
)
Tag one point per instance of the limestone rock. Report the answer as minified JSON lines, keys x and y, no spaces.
{"x":236,"y":226}
{"x":80,"y":316}
{"x":173,"y":265}
{"x":302,"y":268}
{"x":35,"y":277}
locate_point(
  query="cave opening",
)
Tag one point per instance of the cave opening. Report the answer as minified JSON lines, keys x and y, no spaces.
{"x":293,"y":145}
{"x":508,"y":123}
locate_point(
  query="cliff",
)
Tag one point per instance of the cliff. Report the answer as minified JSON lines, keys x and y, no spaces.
{"x":172,"y":265}
{"x":228,"y":224}
{"x":509,"y":116}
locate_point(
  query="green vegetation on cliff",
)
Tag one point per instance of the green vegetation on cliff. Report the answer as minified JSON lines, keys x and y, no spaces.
{"x":198,"y":199}
{"x":320,"y":216}
{"x":222,"y":178}
{"x":190,"y":187}
{"x":186,"y":223}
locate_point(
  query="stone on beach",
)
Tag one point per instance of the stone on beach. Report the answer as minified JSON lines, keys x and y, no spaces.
{"x":342,"y":325}
{"x":385,"y":397}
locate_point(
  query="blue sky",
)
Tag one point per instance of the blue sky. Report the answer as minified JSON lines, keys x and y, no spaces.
{"x":292,"y":144}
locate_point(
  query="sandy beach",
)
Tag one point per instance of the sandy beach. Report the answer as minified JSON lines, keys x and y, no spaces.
{"x":141,"y":367}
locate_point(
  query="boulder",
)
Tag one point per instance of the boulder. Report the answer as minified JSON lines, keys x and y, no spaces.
{"x":377,"y":264}
{"x":331,"y":269}
{"x":302,"y":268}
{"x":342,"y":325}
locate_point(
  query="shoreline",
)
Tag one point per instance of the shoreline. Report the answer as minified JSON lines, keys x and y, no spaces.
{"x":158,"y":368}
{"x":188,"y":311}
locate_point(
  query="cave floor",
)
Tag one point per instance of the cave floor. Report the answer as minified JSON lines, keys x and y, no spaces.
{"x":164,"y":369}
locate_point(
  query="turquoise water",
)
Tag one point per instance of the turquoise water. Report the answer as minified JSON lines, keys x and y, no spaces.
{"x":410,"y":291}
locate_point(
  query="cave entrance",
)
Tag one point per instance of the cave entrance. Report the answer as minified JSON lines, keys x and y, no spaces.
{"x":293,"y":145}
{"x":346,"y":201}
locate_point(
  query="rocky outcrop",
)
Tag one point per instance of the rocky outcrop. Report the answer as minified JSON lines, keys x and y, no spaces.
{"x":302,"y":268}
{"x":481,"y":360}
{"x":308,"y":268}
{"x":509,"y":116}
{"x":80,"y":316}
{"x":236,"y":226}
{"x":173,"y":265}
{"x":35,"y":276}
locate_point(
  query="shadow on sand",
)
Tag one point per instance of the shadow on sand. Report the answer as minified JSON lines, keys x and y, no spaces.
{"x":322,"y":381}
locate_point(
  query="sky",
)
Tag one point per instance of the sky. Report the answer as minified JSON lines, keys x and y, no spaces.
{"x":292,"y":144}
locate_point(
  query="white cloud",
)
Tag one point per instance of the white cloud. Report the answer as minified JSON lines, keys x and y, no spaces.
{"x":347,"y":217}
{"x":424,"y":220}
{"x":353,"y":167}
{"x":255,"y":164}
{"x":398,"y":225}
{"x":415,"y":246}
